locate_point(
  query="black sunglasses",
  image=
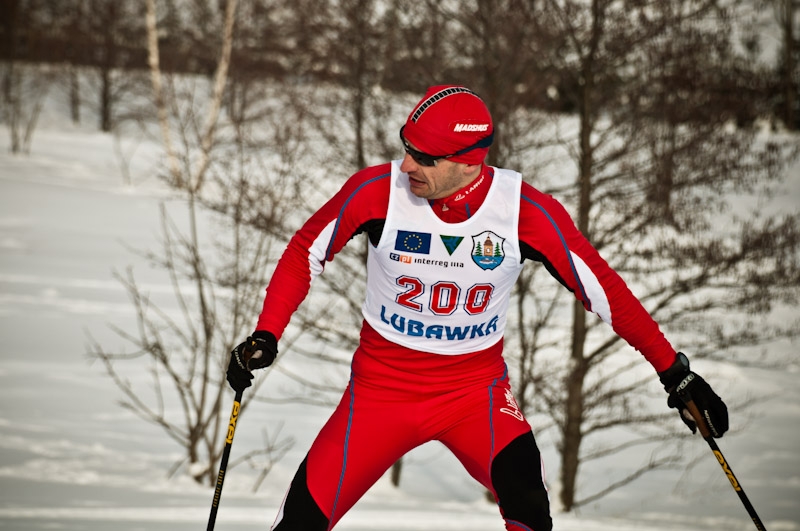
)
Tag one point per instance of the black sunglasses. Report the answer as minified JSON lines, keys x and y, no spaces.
{"x":424,"y":159}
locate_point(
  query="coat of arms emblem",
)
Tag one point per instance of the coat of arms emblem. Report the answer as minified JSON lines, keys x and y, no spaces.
{"x":487,"y":250}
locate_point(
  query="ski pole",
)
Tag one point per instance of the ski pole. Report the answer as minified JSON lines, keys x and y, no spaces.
{"x":223,"y":466}
{"x":706,"y":433}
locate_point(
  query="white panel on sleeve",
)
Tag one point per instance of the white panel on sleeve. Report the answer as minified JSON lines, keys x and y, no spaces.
{"x":591,"y":286}
{"x":319,"y":249}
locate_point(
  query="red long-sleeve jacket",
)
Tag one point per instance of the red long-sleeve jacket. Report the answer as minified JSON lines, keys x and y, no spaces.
{"x":546,"y":234}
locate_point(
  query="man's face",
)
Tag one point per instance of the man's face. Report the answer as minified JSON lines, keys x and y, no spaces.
{"x":434,"y":182}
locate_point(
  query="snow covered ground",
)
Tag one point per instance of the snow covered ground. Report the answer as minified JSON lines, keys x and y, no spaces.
{"x":71,"y":459}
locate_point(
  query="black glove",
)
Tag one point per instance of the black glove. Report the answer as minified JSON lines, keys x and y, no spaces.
{"x":683,"y":386}
{"x":256,"y":352}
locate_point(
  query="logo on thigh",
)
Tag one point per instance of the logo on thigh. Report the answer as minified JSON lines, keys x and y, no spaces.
{"x":511,"y":406}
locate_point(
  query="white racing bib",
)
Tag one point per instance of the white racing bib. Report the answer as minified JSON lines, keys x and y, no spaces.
{"x":444,"y":287}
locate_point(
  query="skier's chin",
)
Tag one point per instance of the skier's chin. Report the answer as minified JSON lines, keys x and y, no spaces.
{"x":418,"y":188}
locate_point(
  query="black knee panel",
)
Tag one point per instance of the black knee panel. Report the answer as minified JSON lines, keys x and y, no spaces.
{"x":517,"y":481}
{"x":300,"y":511}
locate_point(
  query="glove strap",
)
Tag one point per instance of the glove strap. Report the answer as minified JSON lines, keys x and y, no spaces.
{"x":676,"y":373}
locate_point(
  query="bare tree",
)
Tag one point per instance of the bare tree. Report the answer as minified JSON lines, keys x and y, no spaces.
{"x":187,"y":352}
{"x":354,"y":124}
{"x":786,"y":14}
{"x":656,"y":152}
{"x":114,"y":35}
{"x":485,"y":33}
{"x":25,"y":87}
{"x":24,"y":84}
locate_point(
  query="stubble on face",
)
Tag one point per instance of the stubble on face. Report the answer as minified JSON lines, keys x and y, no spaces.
{"x":436,"y":182}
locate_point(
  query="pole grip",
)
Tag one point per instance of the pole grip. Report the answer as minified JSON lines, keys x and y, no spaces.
{"x":698,"y":418}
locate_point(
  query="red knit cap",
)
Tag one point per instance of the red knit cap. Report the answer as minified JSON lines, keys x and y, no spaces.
{"x":448,"y":119}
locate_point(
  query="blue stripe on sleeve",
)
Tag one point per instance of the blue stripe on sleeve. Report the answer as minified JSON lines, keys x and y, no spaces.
{"x":544,"y":211}
{"x":328,"y":254}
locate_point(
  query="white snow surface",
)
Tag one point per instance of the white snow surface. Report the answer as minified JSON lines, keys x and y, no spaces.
{"x":72,"y":459}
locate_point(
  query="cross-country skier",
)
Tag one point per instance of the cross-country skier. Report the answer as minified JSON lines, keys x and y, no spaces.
{"x":429,"y":365}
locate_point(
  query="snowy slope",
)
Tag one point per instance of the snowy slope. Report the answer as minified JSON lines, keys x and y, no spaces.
{"x":71,"y":459}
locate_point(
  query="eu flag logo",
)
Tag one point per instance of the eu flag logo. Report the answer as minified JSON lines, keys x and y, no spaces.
{"x":413,"y":242}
